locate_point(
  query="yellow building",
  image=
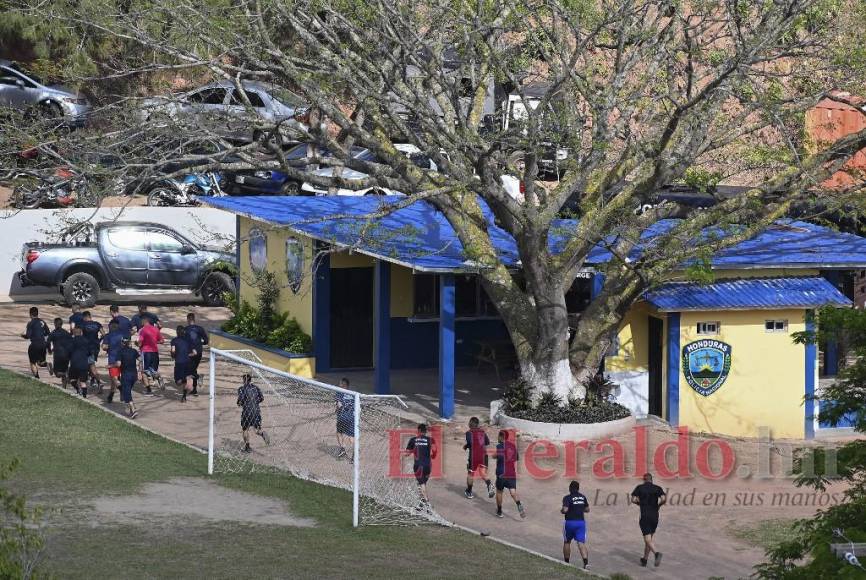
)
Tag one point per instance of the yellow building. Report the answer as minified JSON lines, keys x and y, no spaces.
{"x":397,"y":292}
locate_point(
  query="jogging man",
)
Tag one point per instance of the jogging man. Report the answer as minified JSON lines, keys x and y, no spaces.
{"x":344,"y":405}
{"x":111,"y":344}
{"x":59,"y":343}
{"x":123,"y":323}
{"x":129,"y":364}
{"x":75,"y":319}
{"x":574,"y":506}
{"x":476,"y":464}
{"x":506,"y":473}
{"x":79,"y":361}
{"x":249,"y":399}
{"x":198,"y":338}
{"x":36,"y":332}
{"x":149,"y":338}
{"x":137,"y":321}
{"x":424,"y":450}
{"x":650,"y":498}
{"x":93,"y":333}
{"x":182,"y":351}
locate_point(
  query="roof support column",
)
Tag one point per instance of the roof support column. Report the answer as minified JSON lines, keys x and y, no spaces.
{"x":382,"y":329}
{"x":447,"y":310}
{"x":831,"y":349}
{"x":322,"y":312}
{"x":811,"y":379}
{"x":673,"y":399}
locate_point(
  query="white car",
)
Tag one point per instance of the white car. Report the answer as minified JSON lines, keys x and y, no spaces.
{"x":511,"y":184}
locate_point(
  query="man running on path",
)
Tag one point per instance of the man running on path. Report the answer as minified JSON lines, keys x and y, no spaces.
{"x":123,"y":323}
{"x":75,"y":319}
{"x":182,"y":351}
{"x":129,"y":363}
{"x":59,"y":343}
{"x":506,"y":473}
{"x":249,"y":400}
{"x":198,"y":338}
{"x":137,"y":321}
{"x":149,"y":338}
{"x":36,"y":332}
{"x":423,"y":448}
{"x":79,"y":361}
{"x":476,"y":464}
{"x":344,"y":406}
{"x":574,"y":506}
{"x":93,"y":333}
{"x":650,"y":498}
{"x":111,"y":344}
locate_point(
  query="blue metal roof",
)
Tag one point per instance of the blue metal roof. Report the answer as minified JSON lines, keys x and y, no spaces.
{"x":752,"y":293}
{"x":420,"y":237}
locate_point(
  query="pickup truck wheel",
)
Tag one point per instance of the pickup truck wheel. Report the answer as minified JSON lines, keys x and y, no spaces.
{"x":215,"y":287}
{"x":81,"y":288}
{"x":290,"y":187}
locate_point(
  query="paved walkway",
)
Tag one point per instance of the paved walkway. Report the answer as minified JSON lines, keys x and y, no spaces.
{"x":694,"y":532}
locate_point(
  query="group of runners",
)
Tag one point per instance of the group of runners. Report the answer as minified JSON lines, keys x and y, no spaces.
{"x":648,"y":496}
{"x":75,"y":352}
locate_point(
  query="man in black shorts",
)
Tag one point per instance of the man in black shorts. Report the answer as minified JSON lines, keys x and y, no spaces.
{"x":36,"y":332}
{"x":423,"y":448}
{"x":79,"y":361}
{"x":249,"y":399}
{"x":650,"y":498}
{"x":59,"y":344}
{"x":198,"y":338}
{"x":506,"y":473}
{"x":93,"y":332}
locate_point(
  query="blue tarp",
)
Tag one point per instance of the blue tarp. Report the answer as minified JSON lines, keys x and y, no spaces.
{"x":752,"y":293}
{"x":420,"y":237}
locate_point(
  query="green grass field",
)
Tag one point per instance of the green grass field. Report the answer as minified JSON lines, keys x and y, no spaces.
{"x":72,"y":454}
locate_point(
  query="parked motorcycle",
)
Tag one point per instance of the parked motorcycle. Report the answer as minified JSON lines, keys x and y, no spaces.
{"x":184,"y":191}
{"x":62,"y":189}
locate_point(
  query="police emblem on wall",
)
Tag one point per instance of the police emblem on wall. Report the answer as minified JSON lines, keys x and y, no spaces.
{"x":706,"y":364}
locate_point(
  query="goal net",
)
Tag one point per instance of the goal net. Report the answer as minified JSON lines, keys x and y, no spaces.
{"x":315,"y":431}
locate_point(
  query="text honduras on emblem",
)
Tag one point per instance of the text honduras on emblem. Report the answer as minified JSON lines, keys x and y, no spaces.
{"x":706,"y":365}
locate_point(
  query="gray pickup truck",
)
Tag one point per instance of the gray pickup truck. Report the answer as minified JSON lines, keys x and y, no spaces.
{"x":129,"y":258}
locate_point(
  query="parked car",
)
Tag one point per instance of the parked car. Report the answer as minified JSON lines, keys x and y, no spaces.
{"x":221,"y":108}
{"x":130,"y":258}
{"x":26,"y":92}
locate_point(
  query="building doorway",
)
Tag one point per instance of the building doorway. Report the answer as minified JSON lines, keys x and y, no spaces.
{"x":352,"y":317}
{"x":656,"y":341}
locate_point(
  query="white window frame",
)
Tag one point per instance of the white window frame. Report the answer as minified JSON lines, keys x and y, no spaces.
{"x":774,"y":322}
{"x":706,"y":332}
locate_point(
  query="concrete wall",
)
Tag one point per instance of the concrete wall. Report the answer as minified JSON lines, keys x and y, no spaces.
{"x":202,"y":225}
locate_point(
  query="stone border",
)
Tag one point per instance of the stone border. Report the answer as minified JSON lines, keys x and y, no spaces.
{"x":568,"y":431}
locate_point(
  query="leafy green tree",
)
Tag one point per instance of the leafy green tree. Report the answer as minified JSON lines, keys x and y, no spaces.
{"x":21,"y":543}
{"x":807,"y":554}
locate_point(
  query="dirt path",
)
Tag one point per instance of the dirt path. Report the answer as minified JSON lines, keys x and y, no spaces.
{"x":694,"y":528}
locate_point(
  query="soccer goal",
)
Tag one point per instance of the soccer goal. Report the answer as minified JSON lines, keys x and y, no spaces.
{"x":315,"y":431}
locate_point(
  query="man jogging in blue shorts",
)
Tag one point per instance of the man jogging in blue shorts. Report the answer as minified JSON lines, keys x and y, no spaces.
{"x":129,"y":363}
{"x":574,"y":506}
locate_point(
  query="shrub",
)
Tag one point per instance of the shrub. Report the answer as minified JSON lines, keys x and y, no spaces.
{"x":596,"y":407}
{"x":289,"y":336}
{"x":21,"y":540}
{"x":517,"y":397}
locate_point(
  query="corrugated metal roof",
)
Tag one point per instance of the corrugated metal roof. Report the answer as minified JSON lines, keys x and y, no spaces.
{"x":420,"y":237}
{"x":752,"y":293}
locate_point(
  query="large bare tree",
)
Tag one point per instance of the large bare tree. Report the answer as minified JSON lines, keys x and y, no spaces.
{"x":641,"y":93}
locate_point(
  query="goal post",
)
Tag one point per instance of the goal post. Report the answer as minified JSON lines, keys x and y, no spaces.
{"x":303,"y":426}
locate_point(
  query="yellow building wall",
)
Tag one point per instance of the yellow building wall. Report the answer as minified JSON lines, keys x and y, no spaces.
{"x":299,"y":305}
{"x":633,"y":341}
{"x":402,"y":292}
{"x":301,"y":366}
{"x":766,"y":383}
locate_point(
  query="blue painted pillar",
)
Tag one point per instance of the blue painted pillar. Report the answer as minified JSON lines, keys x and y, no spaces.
{"x":811,"y":362}
{"x":673,"y":407}
{"x":382,"y":329}
{"x":597,"y":285}
{"x":322,"y":313}
{"x":831,"y":349}
{"x":447,"y":309}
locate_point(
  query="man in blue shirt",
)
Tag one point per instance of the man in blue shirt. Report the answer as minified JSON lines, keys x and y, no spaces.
{"x":181,"y":352}
{"x":423,"y":449}
{"x":143,"y":313}
{"x":111,"y":344}
{"x":36,"y":332}
{"x":79,"y":361}
{"x":574,"y":506}
{"x":198,"y":338}
{"x":123,"y":323}
{"x":129,"y":363}
{"x":250,"y":398}
{"x":59,"y":343}
{"x":76,"y":318}
{"x":92,"y":331}
{"x":344,"y":405}
{"x":506,"y":473}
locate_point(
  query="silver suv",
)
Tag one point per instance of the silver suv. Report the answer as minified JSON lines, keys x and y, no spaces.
{"x":24,"y":91}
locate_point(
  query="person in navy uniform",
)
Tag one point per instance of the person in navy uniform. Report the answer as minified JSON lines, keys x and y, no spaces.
{"x":476,"y":462}
{"x":111,"y":344}
{"x":136,"y":321}
{"x":79,"y":361}
{"x":76,"y":318}
{"x":123,"y":323}
{"x":36,"y":332}
{"x":59,"y":343}
{"x":128,"y":361}
{"x":423,"y":449}
{"x":506,"y":473}
{"x":92,"y":331}
{"x":198,"y":338}
{"x":574,"y":506}
{"x":182,"y":351}
{"x":650,"y":498}
{"x":344,"y":407}
{"x":250,"y":398}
